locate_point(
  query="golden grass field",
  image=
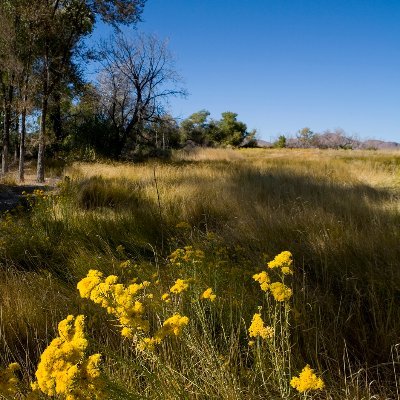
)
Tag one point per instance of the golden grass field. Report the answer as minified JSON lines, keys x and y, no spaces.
{"x":337,"y":212}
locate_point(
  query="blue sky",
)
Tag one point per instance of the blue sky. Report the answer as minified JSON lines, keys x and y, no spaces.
{"x":286,"y":64}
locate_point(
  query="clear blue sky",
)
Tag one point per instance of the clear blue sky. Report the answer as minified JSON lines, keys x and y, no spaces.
{"x":286,"y":64}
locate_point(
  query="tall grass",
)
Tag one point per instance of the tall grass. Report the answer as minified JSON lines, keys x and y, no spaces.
{"x":336,"y":211}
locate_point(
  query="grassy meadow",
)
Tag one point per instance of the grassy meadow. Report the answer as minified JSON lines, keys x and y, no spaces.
{"x":337,"y":212}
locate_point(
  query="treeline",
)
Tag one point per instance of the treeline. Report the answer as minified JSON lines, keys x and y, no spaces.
{"x":329,"y":139}
{"x":41,"y":62}
{"x":49,"y":108}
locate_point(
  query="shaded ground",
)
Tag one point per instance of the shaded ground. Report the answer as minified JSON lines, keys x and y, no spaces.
{"x":11,"y":193}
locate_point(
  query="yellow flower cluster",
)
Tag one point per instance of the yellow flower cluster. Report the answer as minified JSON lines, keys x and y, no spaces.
{"x":63,"y":368}
{"x":307,"y":380}
{"x":280,"y":291}
{"x":185,"y":256}
{"x":208,"y":294}
{"x":118,"y":299}
{"x":180,"y":286}
{"x":282,"y":261}
{"x":263,"y":279}
{"x":166,"y":297}
{"x":257,"y":328}
{"x":173,"y":326}
{"x":9,"y":381}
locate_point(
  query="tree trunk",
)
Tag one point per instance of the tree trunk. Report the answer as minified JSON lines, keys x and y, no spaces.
{"x":16,"y":144}
{"x":8,"y":98}
{"x":42,"y":136}
{"x":6,"y":139}
{"x":22,"y":146}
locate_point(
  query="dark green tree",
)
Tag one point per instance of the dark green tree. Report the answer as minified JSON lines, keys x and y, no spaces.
{"x":233,"y":132}
{"x":196,"y":128}
{"x":281,"y":142}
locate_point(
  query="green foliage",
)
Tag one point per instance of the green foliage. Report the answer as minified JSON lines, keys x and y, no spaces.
{"x":196,"y":128}
{"x":232,"y":132}
{"x":228,"y":131}
{"x":281,"y":142}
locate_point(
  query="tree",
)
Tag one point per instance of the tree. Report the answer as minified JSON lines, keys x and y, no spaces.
{"x":305,"y":137}
{"x":281,"y":142}
{"x":9,"y":71}
{"x":196,"y":128}
{"x":137,"y":79}
{"x":63,"y":24}
{"x":233,"y":132}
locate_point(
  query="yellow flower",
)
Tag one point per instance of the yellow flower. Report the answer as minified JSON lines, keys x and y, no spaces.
{"x":280,"y":291}
{"x":283,"y":261}
{"x":118,"y":299}
{"x":208,"y":294}
{"x":64,"y":369}
{"x":86,"y":285}
{"x":172,"y":326}
{"x":148,"y":344}
{"x":307,"y":380}
{"x":166,"y":297}
{"x":179,"y":286}
{"x":263,"y":279}
{"x":185,"y":256}
{"x":257,"y":328}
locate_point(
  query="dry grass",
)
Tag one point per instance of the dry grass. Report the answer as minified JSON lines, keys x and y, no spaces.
{"x":336,"y":211}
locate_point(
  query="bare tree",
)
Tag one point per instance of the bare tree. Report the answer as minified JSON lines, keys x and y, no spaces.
{"x":137,"y":79}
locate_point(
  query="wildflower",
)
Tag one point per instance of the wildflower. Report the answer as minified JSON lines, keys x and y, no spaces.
{"x":148,"y":344}
{"x":283,"y":261}
{"x":208,"y":294}
{"x":263,"y":279}
{"x":173,"y":326}
{"x":280,"y":291}
{"x":9,"y":381}
{"x":117,"y":299}
{"x":166,"y":297}
{"x":64,"y":368}
{"x":257,"y":328}
{"x":179,"y":286}
{"x":86,"y":285}
{"x":185,"y":256}
{"x":307,"y":380}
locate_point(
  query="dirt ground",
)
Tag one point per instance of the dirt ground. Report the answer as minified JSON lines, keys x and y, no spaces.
{"x":11,"y":190}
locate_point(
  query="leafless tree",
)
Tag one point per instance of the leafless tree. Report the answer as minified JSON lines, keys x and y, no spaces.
{"x":137,"y":79}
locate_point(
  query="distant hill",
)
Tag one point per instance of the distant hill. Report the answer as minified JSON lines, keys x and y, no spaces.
{"x":263,"y":143}
{"x":380,"y":144}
